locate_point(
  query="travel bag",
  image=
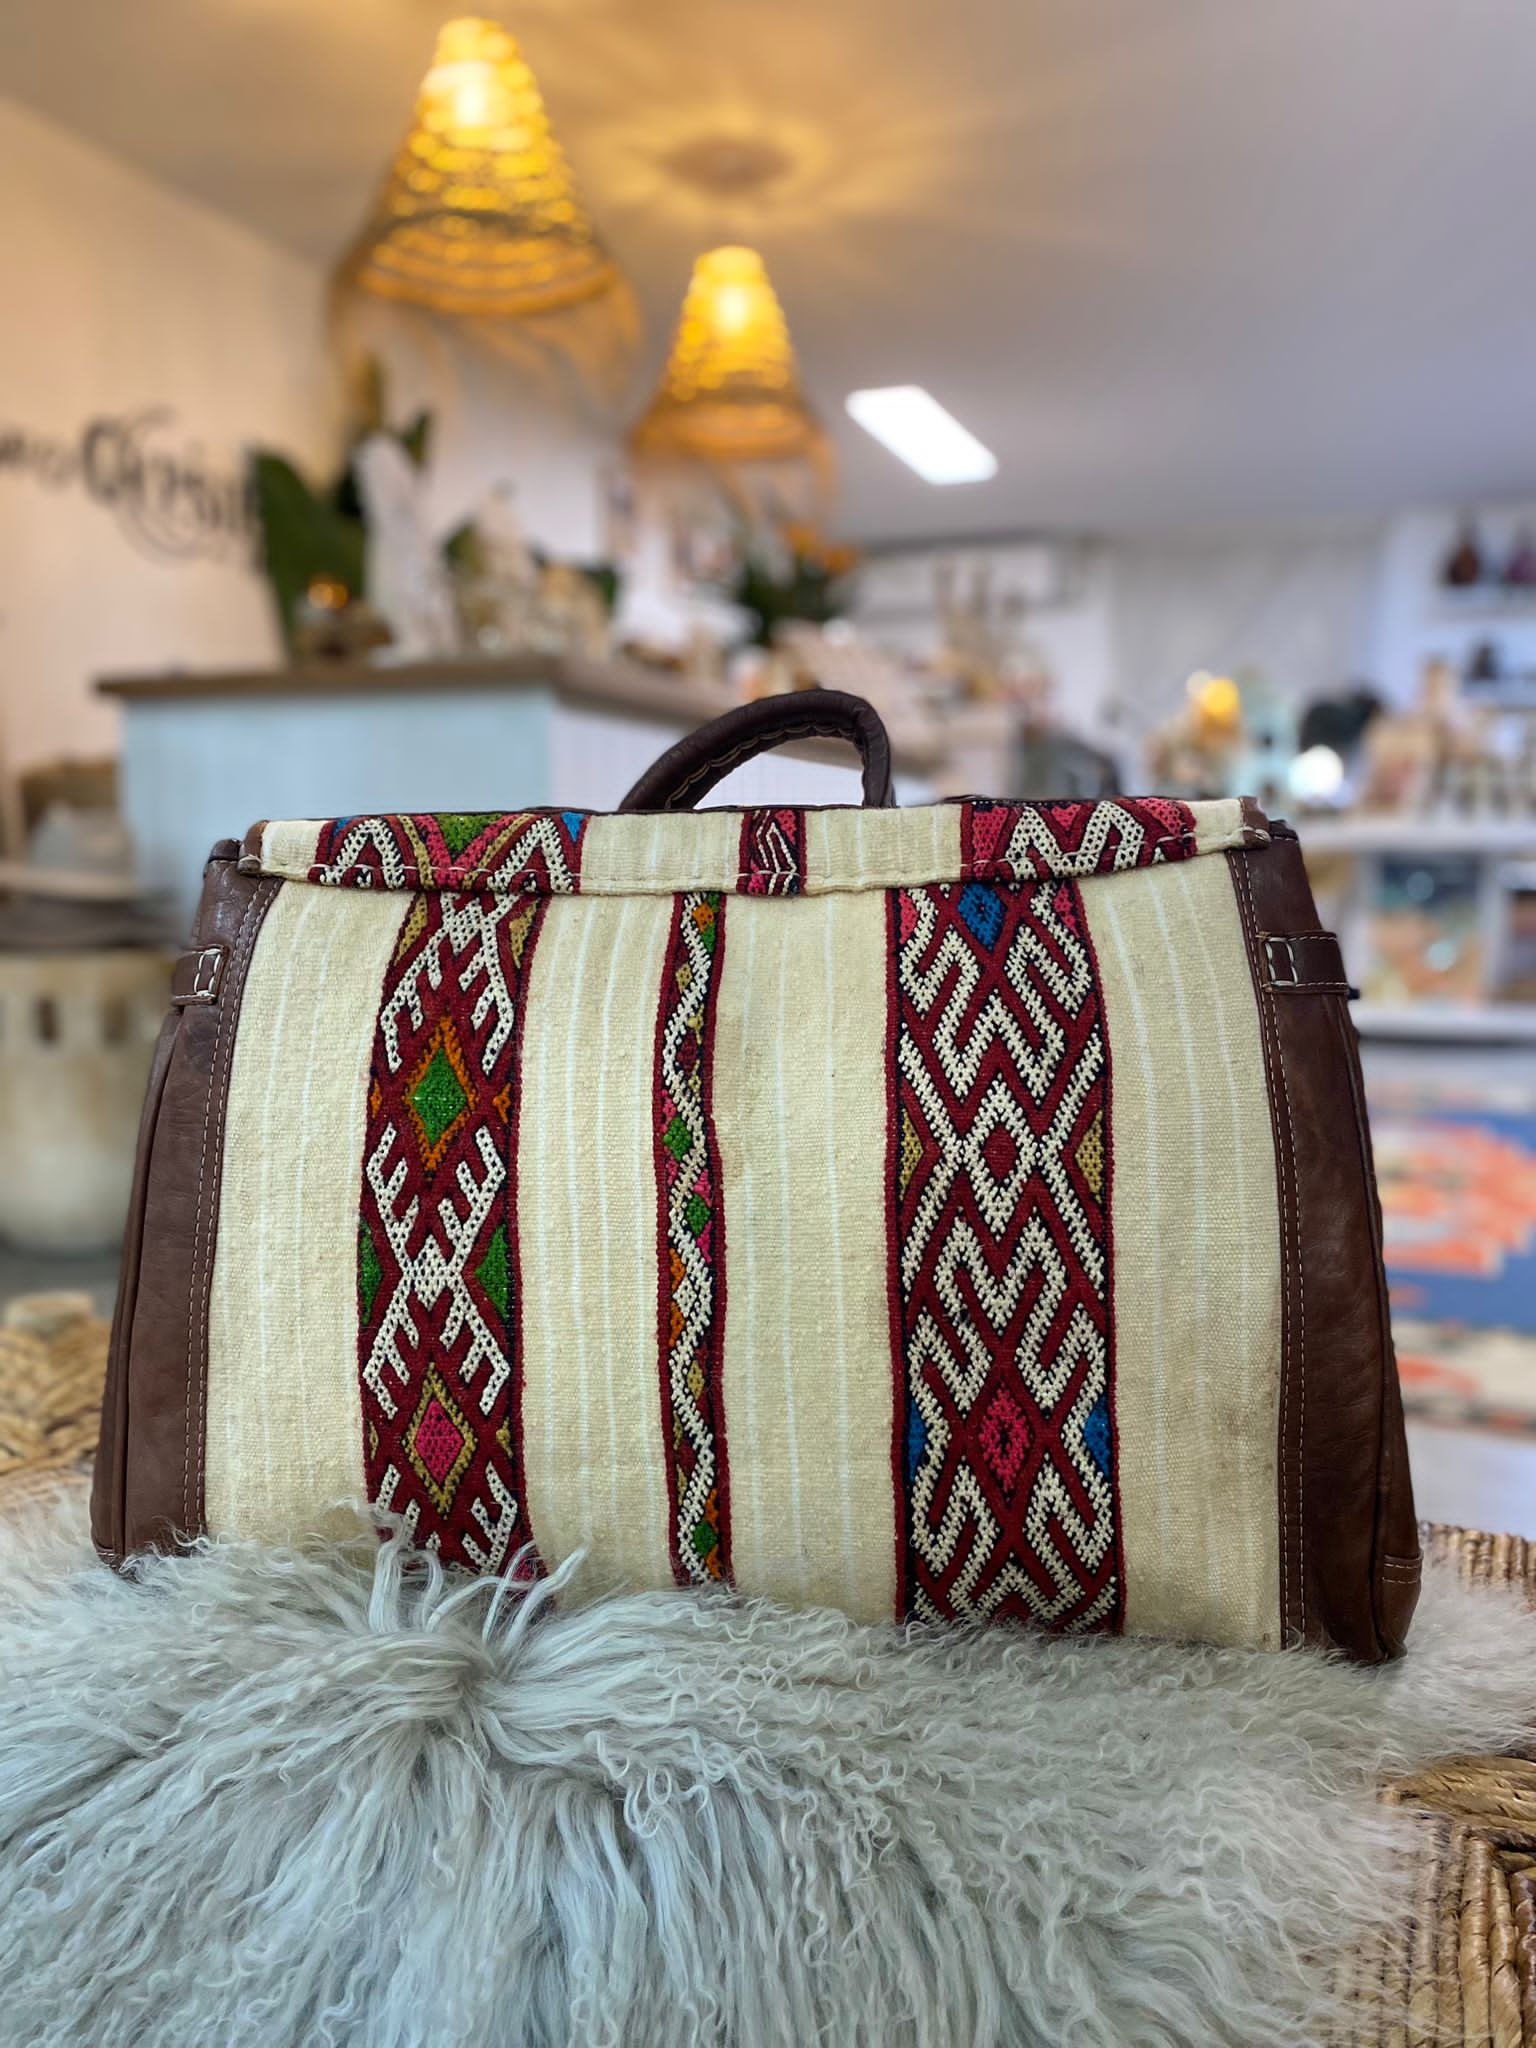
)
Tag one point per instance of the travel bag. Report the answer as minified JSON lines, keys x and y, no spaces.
{"x":954,"y":1212}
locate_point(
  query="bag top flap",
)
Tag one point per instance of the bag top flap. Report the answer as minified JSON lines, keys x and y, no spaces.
{"x":776,"y":850}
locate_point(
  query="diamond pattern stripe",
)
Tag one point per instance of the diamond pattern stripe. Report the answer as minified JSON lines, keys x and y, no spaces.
{"x":1003,"y":1258}
{"x":515,"y":852}
{"x":437,"y":1287}
{"x":692,"y":1242}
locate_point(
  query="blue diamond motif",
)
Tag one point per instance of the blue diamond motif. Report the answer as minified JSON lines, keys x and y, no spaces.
{"x":917,"y":1441}
{"x":1096,"y":1434}
{"x":982,"y":910}
{"x":573,"y":822}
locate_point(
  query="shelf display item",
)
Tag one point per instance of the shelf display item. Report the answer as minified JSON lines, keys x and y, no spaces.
{"x":1425,"y":932}
{"x":1465,"y":566}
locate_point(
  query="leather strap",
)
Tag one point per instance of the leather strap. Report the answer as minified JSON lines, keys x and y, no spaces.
{"x":1305,"y":963}
{"x":196,"y":976}
{"x":691,"y":768}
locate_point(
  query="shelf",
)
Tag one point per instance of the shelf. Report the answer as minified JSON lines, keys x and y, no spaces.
{"x":1462,"y":1023}
{"x":1482,"y":607}
{"x":1504,"y":838}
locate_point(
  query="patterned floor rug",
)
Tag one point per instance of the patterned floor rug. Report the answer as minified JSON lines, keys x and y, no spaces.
{"x":1457,"y":1167}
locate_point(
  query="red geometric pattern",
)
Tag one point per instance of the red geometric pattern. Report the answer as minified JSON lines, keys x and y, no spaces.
{"x":772,"y":853}
{"x":505,"y":852}
{"x":1010,"y":842}
{"x":692,"y":1243}
{"x":1002,"y":1256}
{"x":437,"y":1246}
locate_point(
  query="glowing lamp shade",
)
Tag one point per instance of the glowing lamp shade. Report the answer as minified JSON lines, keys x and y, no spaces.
{"x":730,"y":391}
{"x":479,"y":214}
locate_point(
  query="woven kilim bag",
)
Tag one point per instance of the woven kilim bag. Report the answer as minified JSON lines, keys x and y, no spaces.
{"x":959,"y":1211}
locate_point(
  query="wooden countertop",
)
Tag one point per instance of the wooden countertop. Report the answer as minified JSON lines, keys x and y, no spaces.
{"x":627,"y":687}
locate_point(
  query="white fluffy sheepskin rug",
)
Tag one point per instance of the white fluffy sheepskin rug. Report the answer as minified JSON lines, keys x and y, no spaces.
{"x":274,"y":1800}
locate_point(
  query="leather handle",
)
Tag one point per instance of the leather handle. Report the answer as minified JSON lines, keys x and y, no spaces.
{"x":689,"y":770}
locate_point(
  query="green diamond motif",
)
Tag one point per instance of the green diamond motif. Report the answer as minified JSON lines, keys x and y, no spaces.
{"x":438,"y":1098}
{"x":696,"y":1214}
{"x":704,"y":1538}
{"x":370,"y":1273}
{"x":494,"y":1271}
{"x":461,"y":828}
{"x":677,"y":1138}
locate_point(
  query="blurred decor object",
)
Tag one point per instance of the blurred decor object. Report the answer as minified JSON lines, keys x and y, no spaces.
{"x":1197,"y":751}
{"x":479,"y":218}
{"x":836,"y":656}
{"x":730,"y":394}
{"x":1517,"y":978}
{"x":1050,"y":763}
{"x":407,"y":579}
{"x":495,"y":576}
{"x":1424,"y":932}
{"x":84,"y":785}
{"x":1317,"y":778}
{"x":979,"y":627}
{"x":1520,"y":568}
{"x":790,"y":574}
{"x":84,"y":970}
{"x":75,"y":888}
{"x":78,"y":1029}
{"x":310,"y":544}
{"x":1485,"y":664}
{"x":1439,"y":757}
{"x":1339,"y":722}
{"x":1464,"y":567}
{"x":333,"y":625}
{"x":53,"y":1354}
{"x":511,"y":598}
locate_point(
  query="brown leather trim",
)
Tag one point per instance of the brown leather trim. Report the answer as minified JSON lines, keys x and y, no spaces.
{"x":108,"y":1477}
{"x":688,"y":770}
{"x":196,"y":976}
{"x":1346,"y":1504}
{"x":153,"y":1435}
{"x":1304,"y":963}
{"x":1256,"y":825}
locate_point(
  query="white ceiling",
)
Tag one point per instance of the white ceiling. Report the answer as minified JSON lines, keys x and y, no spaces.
{"x":1176,"y":261}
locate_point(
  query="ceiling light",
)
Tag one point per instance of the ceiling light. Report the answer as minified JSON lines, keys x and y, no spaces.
{"x":479,"y":215}
{"x":730,"y":391}
{"x":914,"y":426}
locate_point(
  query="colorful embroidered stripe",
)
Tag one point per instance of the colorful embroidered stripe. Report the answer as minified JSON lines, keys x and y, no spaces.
{"x":512,"y":853}
{"x":692,"y":1242}
{"x":772,"y":853}
{"x":1010,"y":842}
{"x":772,"y":850}
{"x":1006,"y":1450}
{"x":437,"y":1254}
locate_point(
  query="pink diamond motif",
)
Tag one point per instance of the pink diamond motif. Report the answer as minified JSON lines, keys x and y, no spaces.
{"x":438,"y":1440}
{"x":1005,"y":1438}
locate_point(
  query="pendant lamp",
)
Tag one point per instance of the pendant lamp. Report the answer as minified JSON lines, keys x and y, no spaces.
{"x":479,"y":215}
{"x":730,"y":392}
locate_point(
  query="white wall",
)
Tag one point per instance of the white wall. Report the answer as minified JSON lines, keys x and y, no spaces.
{"x":1298,"y":609}
{"x":122,"y":295}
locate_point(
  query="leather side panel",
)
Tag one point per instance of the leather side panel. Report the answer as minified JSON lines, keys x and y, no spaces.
{"x":162,"y":1316}
{"x":1348,"y":1537}
{"x":108,"y":1476}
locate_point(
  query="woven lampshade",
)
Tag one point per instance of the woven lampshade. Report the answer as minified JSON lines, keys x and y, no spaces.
{"x":479,"y":215}
{"x":730,"y":391}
